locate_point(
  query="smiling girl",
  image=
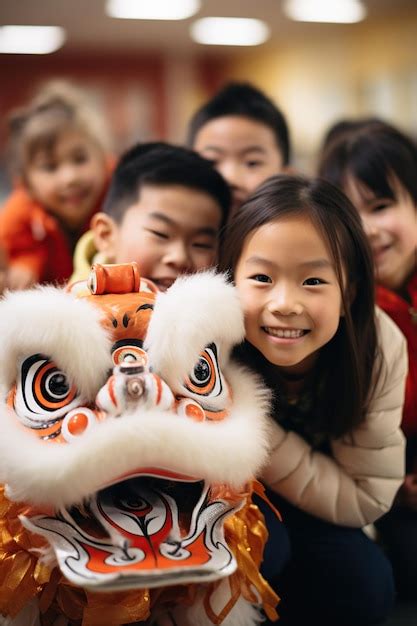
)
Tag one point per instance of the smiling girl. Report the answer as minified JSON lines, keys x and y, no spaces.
{"x":59,"y":165}
{"x":301,"y":263}
{"x":375,"y":164}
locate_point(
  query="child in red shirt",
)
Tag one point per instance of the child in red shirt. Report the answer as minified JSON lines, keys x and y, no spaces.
{"x":376,"y":165}
{"x":59,"y":163}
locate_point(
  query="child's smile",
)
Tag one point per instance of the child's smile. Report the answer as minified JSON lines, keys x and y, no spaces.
{"x":391,"y":227}
{"x":285,"y":334}
{"x":170,"y":230}
{"x":289,"y":291}
{"x":69,"y":179}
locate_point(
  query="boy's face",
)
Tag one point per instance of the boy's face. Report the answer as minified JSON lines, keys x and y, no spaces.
{"x":68,"y":179}
{"x":243,"y":150}
{"x":169,"y":231}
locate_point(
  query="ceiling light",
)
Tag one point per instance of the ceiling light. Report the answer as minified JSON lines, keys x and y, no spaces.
{"x":31,"y":39}
{"x":335,"y":11}
{"x":152,"y":9}
{"x":229,"y":31}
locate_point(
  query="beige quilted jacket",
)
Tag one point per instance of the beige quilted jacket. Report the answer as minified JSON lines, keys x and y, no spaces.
{"x":359,"y":482}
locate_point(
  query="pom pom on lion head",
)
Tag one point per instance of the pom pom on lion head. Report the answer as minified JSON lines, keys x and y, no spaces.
{"x":132,"y":441}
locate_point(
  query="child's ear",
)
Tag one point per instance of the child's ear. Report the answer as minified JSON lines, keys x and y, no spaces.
{"x":105,"y":232}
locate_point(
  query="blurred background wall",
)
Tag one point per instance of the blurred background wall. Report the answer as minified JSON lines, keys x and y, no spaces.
{"x":150,"y":78}
{"x":368,"y":68}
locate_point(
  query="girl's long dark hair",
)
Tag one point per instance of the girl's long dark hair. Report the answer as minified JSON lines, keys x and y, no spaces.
{"x":347,"y":362}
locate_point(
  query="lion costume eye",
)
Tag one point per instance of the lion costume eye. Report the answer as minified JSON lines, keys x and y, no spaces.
{"x":43,"y":390}
{"x":205,"y":379}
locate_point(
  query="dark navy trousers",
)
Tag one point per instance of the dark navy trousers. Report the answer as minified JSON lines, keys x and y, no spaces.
{"x":325,"y":575}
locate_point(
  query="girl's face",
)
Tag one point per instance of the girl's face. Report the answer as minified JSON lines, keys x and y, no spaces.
{"x":69,"y":179}
{"x":391,"y":227}
{"x":289,"y":291}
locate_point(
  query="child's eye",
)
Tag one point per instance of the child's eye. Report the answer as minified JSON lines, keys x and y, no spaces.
{"x":158,"y":234}
{"x":204,"y":245}
{"x":47,"y":166}
{"x":253,"y":164}
{"x":381,"y":206}
{"x":261,"y":278}
{"x":312,"y":282}
{"x":80,"y":157}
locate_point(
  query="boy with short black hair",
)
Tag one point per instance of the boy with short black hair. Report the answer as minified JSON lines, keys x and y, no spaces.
{"x":246,"y":136}
{"x":164,"y":209}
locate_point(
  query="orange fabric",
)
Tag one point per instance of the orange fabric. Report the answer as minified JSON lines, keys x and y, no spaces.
{"x":33,"y":238}
{"x":404,"y":315}
{"x":120,"y":278}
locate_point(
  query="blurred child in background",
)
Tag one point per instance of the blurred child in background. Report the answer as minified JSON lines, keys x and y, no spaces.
{"x":244,"y":134}
{"x":164,"y":209}
{"x":61,"y":170}
{"x":376,"y":165}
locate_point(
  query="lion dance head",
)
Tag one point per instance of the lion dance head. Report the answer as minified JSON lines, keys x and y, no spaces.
{"x":129,"y":443}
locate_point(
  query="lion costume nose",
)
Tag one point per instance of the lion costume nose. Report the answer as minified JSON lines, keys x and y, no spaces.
{"x":135,"y":381}
{"x":131,"y":388}
{"x":135,"y":388}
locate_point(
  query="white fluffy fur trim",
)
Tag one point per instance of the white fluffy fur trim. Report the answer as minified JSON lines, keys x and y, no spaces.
{"x":195,"y":311}
{"x":231,"y":451}
{"x":65,"y":329}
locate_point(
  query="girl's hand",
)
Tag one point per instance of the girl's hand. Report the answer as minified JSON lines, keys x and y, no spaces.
{"x":3,"y":270}
{"x":19,"y":277}
{"x":3,"y":280}
{"x":407,"y":495}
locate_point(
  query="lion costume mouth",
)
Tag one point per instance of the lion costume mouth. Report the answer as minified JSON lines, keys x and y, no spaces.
{"x":149,"y":530}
